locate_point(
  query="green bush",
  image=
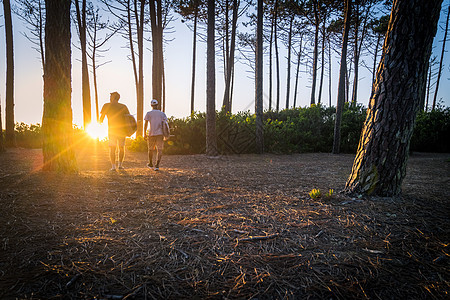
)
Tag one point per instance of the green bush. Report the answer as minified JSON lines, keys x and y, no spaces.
{"x":28,"y":136}
{"x":432,"y":131}
{"x":308,"y":129}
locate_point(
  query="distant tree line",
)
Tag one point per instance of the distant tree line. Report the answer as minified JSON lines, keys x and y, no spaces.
{"x":296,"y":130}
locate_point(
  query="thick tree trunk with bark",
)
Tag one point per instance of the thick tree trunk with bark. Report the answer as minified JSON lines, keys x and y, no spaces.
{"x":380,"y":164}
{"x":211,"y":138}
{"x":10,"y":139}
{"x":57,"y":118}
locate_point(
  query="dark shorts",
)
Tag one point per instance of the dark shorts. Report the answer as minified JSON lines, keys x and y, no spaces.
{"x":155,"y":141}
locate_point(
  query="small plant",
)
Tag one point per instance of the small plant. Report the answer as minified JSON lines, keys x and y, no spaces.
{"x":329,"y":194}
{"x":315,"y":194}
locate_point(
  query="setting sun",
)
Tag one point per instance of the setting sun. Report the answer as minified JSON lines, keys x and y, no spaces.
{"x":97,"y":131}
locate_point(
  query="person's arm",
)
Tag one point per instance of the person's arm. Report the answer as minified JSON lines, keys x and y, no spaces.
{"x":145,"y":129}
{"x":102,"y":114}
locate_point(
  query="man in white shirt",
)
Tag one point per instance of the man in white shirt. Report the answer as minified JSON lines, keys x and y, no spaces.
{"x":155,"y":135}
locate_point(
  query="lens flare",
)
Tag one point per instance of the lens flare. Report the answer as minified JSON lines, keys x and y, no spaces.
{"x":97,"y":131}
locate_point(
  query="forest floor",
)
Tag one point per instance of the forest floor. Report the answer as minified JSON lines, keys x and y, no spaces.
{"x":220,"y":228}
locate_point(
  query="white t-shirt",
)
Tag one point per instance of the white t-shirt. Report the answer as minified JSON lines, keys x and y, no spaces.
{"x":155,"y":118}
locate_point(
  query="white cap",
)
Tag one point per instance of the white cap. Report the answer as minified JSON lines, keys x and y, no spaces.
{"x":154,"y":102}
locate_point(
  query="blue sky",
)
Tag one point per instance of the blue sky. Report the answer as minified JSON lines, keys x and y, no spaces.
{"x":117,"y":76}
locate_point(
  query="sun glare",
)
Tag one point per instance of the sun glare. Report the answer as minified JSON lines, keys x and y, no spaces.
{"x":97,"y":131}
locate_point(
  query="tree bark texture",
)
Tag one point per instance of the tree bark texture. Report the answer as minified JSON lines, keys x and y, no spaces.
{"x":10,"y":140}
{"x":380,"y":164}
{"x":57,"y":130}
{"x":211,"y":138}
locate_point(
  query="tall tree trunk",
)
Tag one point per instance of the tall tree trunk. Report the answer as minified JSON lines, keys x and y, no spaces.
{"x":288,"y":76}
{"x":316,"y":46}
{"x":329,"y":74}
{"x":194,"y":56}
{"x":132,"y":51}
{"x":230,"y":59}
{"x":211,"y":138}
{"x":375,"y":60}
{"x":347,"y":84}
{"x":355,"y":55}
{"x":299,"y":56}
{"x":94,"y":77}
{"x":10,"y":139}
{"x":322,"y":67}
{"x":441,"y":61}
{"x":157,"y":67}
{"x":259,"y":80}
{"x":140,"y":86}
{"x":425,"y":108}
{"x":277,"y":59}
{"x":57,"y":118}
{"x":226,"y":53}
{"x":85,"y":87}
{"x":272,"y":25}
{"x":341,"y":84}
{"x":380,"y":164}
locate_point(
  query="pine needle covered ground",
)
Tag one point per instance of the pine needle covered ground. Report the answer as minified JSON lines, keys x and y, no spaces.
{"x":220,"y":228}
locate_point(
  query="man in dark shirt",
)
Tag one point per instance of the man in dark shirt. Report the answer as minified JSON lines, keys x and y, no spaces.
{"x":115,"y":112}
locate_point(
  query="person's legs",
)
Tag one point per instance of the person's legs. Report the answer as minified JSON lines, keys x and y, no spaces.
{"x":150,"y":158}
{"x":112,"y":157}
{"x":121,"y":156}
{"x":112,"y":151}
{"x":151,"y":149}
{"x":159,"y":150}
{"x":121,"y":141}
